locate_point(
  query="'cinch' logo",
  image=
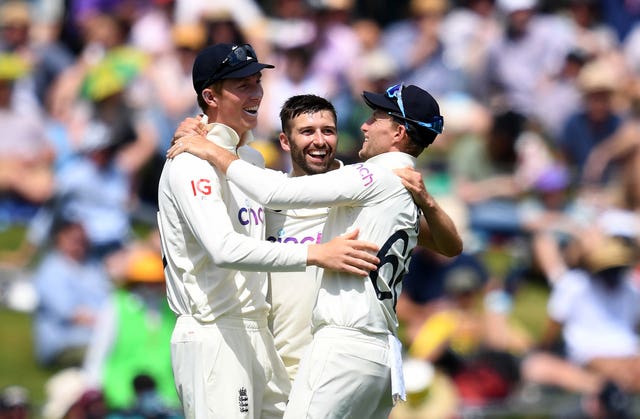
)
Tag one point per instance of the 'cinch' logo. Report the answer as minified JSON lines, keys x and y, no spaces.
{"x":365,"y":174}
{"x":292,"y":239}
{"x":249,"y":215}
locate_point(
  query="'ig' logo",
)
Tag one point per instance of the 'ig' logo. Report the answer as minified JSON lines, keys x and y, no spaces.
{"x":202,"y":187}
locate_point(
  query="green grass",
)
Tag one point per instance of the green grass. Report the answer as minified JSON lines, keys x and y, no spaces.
{"x":17,"y":360}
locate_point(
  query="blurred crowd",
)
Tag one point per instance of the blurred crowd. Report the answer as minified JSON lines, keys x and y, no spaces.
{"x":538,"y":165}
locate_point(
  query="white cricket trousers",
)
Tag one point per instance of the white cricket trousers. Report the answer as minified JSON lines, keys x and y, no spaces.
{"x":228,"y":369}
{"x":344,"y":374}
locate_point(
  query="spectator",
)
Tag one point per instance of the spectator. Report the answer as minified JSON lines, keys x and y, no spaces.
{"x":467,"y":32}
{"x":26,"y":157}
{"x":46,"y":57}
{"x":473,"y":343}
{"x":558,"y":96}
{"x":117,"y":143}
{"x":295,"y":77}
{"x":71,"y":289}
{"x":591,"y":125}
{"x":132,"y":336}
{"x":595,"y":297}
{"x":484,"y":177}
{"x":622,"y":151}
{"x":527,"y":51}
{"x":422,"y":60}
{"x":420,"y":297}
{"x":599,"y":300}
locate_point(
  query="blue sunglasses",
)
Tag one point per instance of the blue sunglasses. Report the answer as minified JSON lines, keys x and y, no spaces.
{"x":437,"y":122}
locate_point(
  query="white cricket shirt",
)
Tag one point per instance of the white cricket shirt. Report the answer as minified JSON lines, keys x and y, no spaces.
{"x":212,"y":238}
{"x":368,"y":196}
{"x":292,"y":295}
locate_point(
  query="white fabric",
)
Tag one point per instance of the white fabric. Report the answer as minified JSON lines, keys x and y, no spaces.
{"x":370,"y":197}
{"x":292,"y":295}
{"x":215,"y":256}
{"x":228,"y":369}
{"x":367,"y":196}
{"x":211,"y":231}
{"x":344,"y":375}
{"x":596,"y":321}
{"x":398,"y":390}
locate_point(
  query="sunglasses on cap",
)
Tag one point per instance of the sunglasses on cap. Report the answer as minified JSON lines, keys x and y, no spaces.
{"x":239,"y":54}
{"x":436,"y":124}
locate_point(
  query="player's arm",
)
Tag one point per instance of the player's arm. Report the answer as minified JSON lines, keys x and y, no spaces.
{"x":190,"y":139}
{"x":337,"y":187}
{"x":437,"y":230}
{"x":197,"y":190}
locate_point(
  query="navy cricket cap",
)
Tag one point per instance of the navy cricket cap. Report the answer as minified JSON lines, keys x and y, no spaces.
{"x":413,"y":106}
{"x":224,"y":61}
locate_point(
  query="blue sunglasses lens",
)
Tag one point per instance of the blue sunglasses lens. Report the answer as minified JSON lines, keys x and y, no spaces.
{"x":437,"y":123}
{"x":239,"y":55}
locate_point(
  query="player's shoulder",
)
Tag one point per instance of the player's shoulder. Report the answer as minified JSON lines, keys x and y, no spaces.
{"x":186,"y":165}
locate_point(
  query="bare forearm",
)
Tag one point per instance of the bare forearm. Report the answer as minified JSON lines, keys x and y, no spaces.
{"x":438,"y":232}
{"x":199,"y":146}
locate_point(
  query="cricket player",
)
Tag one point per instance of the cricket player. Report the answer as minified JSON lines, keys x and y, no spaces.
{"x":352,"y":367}
{"x":223,"y":357}
{"x":310,"y":136}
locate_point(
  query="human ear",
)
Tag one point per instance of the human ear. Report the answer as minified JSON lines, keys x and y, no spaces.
{"x":209,"y":97}
{"x":284,"y":142}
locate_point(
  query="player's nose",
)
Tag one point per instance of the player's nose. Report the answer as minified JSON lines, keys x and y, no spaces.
{"x":318,"y":138}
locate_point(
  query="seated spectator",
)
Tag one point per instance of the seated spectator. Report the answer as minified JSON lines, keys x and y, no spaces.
{"x":594,"y":309}
{"x":484,"y":176}
{"x":597,"y":309}
{"x":474,"y":343}
{"x":71,"y":289}
{"x":423,"y":287}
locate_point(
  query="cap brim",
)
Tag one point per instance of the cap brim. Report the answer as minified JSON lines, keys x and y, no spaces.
{"x":379,"y":101}
{"x":245,"y":71}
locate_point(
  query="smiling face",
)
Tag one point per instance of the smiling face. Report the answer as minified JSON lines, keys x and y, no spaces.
{"x":381,"y":134}
{"x":312,"y":142}
{"x":236,"y":104}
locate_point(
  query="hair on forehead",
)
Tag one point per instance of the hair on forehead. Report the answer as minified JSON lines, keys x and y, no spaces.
{"x":304,"y":104}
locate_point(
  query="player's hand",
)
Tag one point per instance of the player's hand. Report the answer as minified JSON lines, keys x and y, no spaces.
{"x":198,"y":145}
{"x":346,"y":254}
{"x":412,"y":180}
{"x":189,"y":126}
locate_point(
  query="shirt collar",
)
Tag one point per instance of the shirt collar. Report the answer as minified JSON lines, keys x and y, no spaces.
{"x":225,"y":136}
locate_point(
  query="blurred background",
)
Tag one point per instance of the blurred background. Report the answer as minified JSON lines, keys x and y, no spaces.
{"x":538,"y":165}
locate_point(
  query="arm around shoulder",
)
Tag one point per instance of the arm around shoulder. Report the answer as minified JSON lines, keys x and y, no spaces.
{"x":437,"y":230}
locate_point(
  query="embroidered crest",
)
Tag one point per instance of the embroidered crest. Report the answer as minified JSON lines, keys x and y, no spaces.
{"x":243,"y":400}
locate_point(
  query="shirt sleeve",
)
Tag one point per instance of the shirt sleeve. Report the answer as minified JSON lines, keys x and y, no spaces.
{"x":197,"y":190}
{"x":563,"y":295}
{"x":345,"y":186}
